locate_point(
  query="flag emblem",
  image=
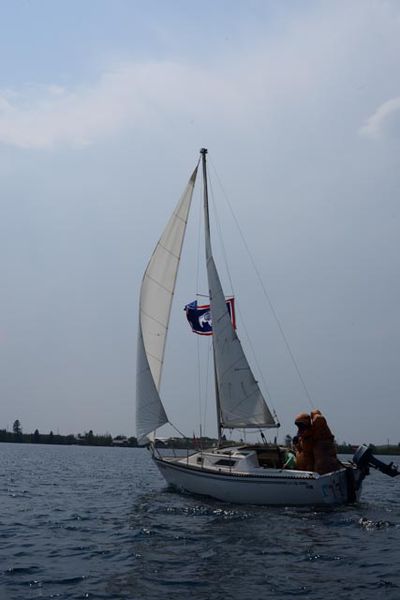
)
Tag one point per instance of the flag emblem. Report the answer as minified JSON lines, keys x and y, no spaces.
{"x":199,"y":316}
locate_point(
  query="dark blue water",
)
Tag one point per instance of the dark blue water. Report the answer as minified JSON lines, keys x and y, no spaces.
{"x":80,"y":522}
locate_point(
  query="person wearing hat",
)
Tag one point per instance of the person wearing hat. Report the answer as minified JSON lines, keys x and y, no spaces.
{"x":304,"y":446}
{"x":325,"y":459}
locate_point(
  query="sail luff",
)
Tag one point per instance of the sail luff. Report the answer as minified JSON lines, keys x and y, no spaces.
{"x":156,"y":295}
{"x":240,"y":403}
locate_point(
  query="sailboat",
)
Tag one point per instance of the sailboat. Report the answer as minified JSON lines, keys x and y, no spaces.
{"x":241,"y":474}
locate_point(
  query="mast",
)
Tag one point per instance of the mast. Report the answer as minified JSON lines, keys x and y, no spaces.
{"x":203,"y":153}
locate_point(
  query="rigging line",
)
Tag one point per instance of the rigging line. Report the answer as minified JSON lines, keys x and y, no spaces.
{"x":280,"y":327}
{"x":198,"y":248}
{"x":206,"y":386}
{"x":221,"y":238}
{"x":199,"y":394}
{"x":243,"y":323}
{"x":177,"y":430}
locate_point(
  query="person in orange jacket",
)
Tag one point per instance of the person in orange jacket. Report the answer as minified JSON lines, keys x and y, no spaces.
{"x":304,"y":445}
{"x":324,"y":449}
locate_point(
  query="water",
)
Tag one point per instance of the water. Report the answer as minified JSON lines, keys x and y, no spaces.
{"x":82,"y":522}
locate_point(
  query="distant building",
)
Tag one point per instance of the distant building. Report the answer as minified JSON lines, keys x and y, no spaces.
{"x":120,"y":440}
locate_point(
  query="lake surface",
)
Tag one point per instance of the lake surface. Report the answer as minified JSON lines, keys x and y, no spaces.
{"x":84,"y":522}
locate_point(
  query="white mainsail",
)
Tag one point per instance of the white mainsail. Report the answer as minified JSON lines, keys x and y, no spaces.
{"x":240,"y":401}
{"x":156,"y":295}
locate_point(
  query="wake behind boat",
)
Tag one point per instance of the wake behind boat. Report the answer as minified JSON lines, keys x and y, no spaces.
{"x":247,"y":474}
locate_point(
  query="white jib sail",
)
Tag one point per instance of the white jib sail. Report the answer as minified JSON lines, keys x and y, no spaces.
{"x":156,"y":295}
{"x":240,"y":399}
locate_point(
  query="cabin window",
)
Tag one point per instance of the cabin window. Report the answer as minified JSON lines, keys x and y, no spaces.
{"x":226,"y":462}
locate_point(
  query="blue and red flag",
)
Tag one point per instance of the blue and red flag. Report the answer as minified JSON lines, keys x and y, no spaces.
{"x":199,"y":317}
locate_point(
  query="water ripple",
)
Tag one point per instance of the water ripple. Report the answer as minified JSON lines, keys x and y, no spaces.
{"x":100,"y":523}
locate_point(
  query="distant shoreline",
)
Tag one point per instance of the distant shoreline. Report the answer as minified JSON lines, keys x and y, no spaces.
{"x":90,"y":439}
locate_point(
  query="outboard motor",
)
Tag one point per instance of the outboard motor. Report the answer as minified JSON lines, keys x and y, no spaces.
{"x":364,"y":459}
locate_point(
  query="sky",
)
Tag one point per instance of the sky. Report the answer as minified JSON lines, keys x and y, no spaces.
{"x":104,"y":106}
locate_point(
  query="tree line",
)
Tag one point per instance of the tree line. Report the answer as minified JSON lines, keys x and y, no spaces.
{"x":88,"y":438}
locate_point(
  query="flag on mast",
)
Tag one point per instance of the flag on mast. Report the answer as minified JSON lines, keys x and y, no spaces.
{"x":199,"y":316}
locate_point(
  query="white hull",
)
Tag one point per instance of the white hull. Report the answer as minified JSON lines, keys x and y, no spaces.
{"x":264,"y":486}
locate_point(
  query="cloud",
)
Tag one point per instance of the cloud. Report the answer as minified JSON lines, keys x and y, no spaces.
{"x":385,"y":121}
{"x":239,"y":91}
{"x":131,"y":95}
{"x":42,"y":116}
{"x":268,"y":83}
